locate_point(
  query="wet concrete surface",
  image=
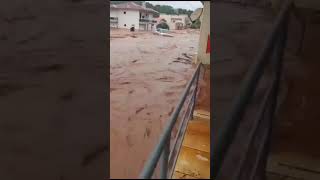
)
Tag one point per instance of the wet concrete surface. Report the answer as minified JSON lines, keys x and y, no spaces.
{"x":203,"y":99}
{"x":145,"y":85}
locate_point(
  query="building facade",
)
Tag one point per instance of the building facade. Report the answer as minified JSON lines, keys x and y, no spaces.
{"x":175,"y":21}
{"x":129,"y":14}
{"x":204,"y":48}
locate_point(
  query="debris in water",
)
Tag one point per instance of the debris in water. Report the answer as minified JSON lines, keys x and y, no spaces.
{"x":187,"y":56}
{"x":171,"y":111}
{"x":182,"y":62}
{"x":163,"y":78}
{"x":147,"y":132}
{"x":162,"y":34}
{"x":180,"y":58}
{"x":201,"y":158}
{"x":140,"y":109}
{"x":134,"y":61}
{"x":125,"y":83}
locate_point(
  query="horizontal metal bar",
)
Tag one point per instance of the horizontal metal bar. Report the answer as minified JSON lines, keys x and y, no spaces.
{"x":155,"y":155}
{"x":147,"y":20}
{"x":184,"y":119}
{"x":229,"y":129}
{"x":178,"y":143}
{"x":164,"y":161}
{"x":254,"y":129}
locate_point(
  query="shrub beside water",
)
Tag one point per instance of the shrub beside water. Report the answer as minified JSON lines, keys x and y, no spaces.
{"x":196,"y":24}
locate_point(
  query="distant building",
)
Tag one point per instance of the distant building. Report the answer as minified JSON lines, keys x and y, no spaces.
{"x":131,"y":14}
{"x":175,"y":21}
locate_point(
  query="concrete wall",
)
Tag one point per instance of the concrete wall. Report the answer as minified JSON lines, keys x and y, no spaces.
{"x":114,"y":13}
{"x":53,"y":72}
{"x":172,"y":25}
{"x":204,"y":32}
{"x":130,"y":18}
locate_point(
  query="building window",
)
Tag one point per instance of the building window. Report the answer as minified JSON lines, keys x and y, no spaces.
{"x":124,"y":25}
{"x":124,"y":12}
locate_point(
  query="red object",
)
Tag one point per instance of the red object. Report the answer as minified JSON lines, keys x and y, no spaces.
{"x":208,"y":45}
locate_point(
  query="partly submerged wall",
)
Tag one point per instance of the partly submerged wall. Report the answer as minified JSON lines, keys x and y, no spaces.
{"x":203,"y":55}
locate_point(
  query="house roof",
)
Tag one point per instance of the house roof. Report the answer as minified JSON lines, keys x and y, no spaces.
{"x":132,"y":6}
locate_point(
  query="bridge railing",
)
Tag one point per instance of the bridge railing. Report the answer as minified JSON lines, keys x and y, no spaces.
{"x":162,"y":150}
{"x":252,"y":158}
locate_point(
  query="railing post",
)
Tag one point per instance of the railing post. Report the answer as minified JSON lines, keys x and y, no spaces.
{"x":195,"y":93}
{"x":165,"y":160}
{"x":277,"y":62}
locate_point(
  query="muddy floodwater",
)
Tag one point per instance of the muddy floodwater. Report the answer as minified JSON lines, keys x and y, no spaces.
{"x":147,"y":76}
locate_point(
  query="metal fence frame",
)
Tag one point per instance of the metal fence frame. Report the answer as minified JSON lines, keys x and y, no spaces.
{"x":162,"y":149}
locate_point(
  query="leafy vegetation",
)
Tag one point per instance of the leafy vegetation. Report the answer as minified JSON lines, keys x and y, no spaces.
{"x":196,"y":24}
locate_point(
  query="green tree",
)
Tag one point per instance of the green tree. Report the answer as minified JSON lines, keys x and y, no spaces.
{"x":120,"y":2}
{"x":166,"y":9}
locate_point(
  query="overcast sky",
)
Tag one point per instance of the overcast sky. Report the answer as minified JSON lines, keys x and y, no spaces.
{"x":190,"y":5}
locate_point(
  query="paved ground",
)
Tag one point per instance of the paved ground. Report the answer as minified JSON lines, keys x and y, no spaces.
{"x":145,"y":87}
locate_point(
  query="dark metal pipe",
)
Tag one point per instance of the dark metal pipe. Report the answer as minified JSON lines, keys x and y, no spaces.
{"x":164,"y":162}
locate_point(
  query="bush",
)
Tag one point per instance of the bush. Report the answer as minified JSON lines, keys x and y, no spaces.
{"x":163,"y":26}
{"x":196,"y":24}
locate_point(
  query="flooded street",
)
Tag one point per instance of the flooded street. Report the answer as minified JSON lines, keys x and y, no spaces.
{"x":145,"y":85}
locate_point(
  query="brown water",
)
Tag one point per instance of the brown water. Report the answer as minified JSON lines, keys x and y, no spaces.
{"x":145,"y":85}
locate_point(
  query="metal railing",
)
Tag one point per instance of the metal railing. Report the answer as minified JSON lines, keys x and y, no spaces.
{"x":113,"y":19}
{"x":162,"y":149}
{"x":147,"y":20}
{"x":252,"y":158}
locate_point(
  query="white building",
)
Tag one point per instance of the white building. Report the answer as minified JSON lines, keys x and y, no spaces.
{"x":176,"y":21}
{"x":130,"y":14}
